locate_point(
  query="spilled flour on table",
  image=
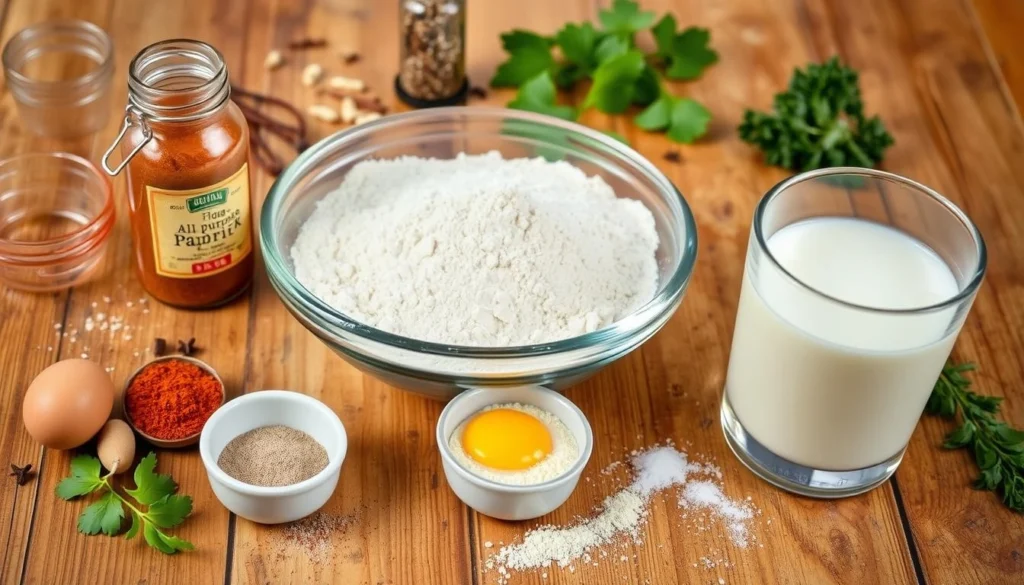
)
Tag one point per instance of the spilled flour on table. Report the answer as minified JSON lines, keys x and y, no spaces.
{"x":620,"y":519}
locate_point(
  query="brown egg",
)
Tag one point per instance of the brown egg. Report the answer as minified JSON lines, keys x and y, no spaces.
{"x":67,"y":403}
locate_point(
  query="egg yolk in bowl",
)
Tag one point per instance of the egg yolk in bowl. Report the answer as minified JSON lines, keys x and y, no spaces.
{"x":506,"y":439}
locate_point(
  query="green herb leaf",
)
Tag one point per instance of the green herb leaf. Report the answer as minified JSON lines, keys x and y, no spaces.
{"x":1008,"y":436}
{"x":609,"y":48}
{"x":155,"y":540}
{"x":164,"y":543}
{"x":149,"y":485}
{"x":657,"y":116}
{"x":960,"y":437}
{"x":648,"y":87}
{"x":990,"y":479}
{"x":103,"y":515}
{"x":169,"y":511}
{"x":567,"y":75}
{"x":106,"y":514}
{"x":998,"y":448}
{"x":820,"y":122}
{"x":685,"y":54}
{"x":134,"y":529}
{"x":621,"y":74}
{"x":985,"y":455}
{"x":625,"y":17}
{"x":538,"y":95}
{"x":614,"y":83}
{"x":577,"y":42}
{"x":529,"y":55}
{"x":690,"y":54}
{"x":85,"y":478}
{"x":689,"y":121}
{"x":518,"y":39}
{"x":664,"y":33}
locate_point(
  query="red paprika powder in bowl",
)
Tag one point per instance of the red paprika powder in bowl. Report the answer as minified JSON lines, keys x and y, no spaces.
{"x":168,"y":400}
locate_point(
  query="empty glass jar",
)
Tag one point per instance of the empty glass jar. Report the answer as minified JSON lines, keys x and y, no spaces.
{"x":59,"y":73}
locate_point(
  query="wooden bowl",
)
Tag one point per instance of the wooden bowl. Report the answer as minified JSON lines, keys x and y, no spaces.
{"x":170,"y":443}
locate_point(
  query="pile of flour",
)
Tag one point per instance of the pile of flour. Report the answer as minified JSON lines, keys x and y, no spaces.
{"x":478,"y":250}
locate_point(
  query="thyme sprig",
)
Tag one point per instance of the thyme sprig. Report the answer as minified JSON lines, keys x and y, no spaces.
{"x":998,"y":448}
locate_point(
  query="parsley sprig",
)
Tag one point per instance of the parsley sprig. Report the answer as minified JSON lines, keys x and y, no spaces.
{"x":621,"y":74}
{"x":156,"y":492}
{"x":998,"y":448}
{"x":818,"y":122}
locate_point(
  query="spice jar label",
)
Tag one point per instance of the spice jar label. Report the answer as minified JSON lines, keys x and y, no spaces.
{"x":200,"y":232}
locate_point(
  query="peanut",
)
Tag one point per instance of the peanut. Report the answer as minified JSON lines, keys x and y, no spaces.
{"x":274,"y":60}
{"x":324,"y":113}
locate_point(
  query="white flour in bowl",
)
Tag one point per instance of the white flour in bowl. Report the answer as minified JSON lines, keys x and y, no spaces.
{"x":478,"y":250}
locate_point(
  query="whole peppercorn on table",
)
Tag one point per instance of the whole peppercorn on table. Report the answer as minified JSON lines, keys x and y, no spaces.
{"x":946,"y":77}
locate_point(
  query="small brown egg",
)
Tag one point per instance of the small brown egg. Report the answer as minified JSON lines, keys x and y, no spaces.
{"x":67,"y":403}
{"x":115,"y":446}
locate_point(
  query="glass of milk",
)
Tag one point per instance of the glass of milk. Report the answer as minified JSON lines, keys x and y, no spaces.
{"x":855,"y":287}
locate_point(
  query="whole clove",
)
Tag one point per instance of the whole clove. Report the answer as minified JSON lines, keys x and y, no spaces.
{"x":365,"y":102}
{"x":673,"y":156}
{"x":350,"y":57}
{"x":307,"y":43}
{"x":21,"y":474}
{"x":478,"y":92}
{"x":187,"y":347}
{"x":159,"y":346}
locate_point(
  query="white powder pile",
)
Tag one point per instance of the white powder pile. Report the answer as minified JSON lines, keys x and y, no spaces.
{"x":706,"y":494}
{"x":478,"y":250}
{"x":563,"y":454}
{"x":623,"y":514}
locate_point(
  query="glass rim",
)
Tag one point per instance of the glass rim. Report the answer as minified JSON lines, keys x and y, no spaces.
{"x":964,"y":293}
{"x":104,"y":68}
{"x":292,"y":291}
{"x":208,"y":67}
{"x":71,"y":242}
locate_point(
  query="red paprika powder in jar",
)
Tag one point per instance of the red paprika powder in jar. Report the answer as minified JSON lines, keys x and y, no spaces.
{"x":186,"y":148}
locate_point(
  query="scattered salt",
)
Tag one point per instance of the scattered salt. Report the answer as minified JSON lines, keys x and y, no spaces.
{"x":705,"y":494}
{"x":658,"y":469}
{"x":623,"y":514}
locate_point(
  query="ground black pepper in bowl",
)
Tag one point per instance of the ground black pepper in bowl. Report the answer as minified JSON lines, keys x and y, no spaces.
{"x":273,"y":456}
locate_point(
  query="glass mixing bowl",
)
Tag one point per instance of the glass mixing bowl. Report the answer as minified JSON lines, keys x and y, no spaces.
{"x":440,"y":370}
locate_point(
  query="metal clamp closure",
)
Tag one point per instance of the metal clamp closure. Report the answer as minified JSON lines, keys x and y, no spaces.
{"x":131,"y":114}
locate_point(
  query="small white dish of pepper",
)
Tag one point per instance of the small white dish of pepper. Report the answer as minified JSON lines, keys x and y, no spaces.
{"x":273,"y":456}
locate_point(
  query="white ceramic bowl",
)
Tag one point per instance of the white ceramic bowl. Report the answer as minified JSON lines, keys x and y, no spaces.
{"x":273,"y":505}
{"x":512,"y":502}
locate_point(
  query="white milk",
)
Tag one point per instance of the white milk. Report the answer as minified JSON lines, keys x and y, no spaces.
{"x":828,"y":386}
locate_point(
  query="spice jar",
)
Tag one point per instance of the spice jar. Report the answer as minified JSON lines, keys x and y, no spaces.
{"x":433,"y":52}
{"x":186,"y":147}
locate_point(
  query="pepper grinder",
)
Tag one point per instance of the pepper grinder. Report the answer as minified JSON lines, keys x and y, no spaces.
{"x":433,"y":53}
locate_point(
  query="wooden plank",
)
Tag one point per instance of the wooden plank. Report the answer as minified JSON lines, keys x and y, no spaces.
{"x":58,"y":554}
{"x":855,"y":540}
{"x":406,"y":526}
{"x":671,"y":388}
{"x":999,"y":24}
{"x":927,"y":74}
{"x":27,"y":321}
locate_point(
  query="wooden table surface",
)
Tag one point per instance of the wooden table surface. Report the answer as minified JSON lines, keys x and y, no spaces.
{"x":944,"y":75}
